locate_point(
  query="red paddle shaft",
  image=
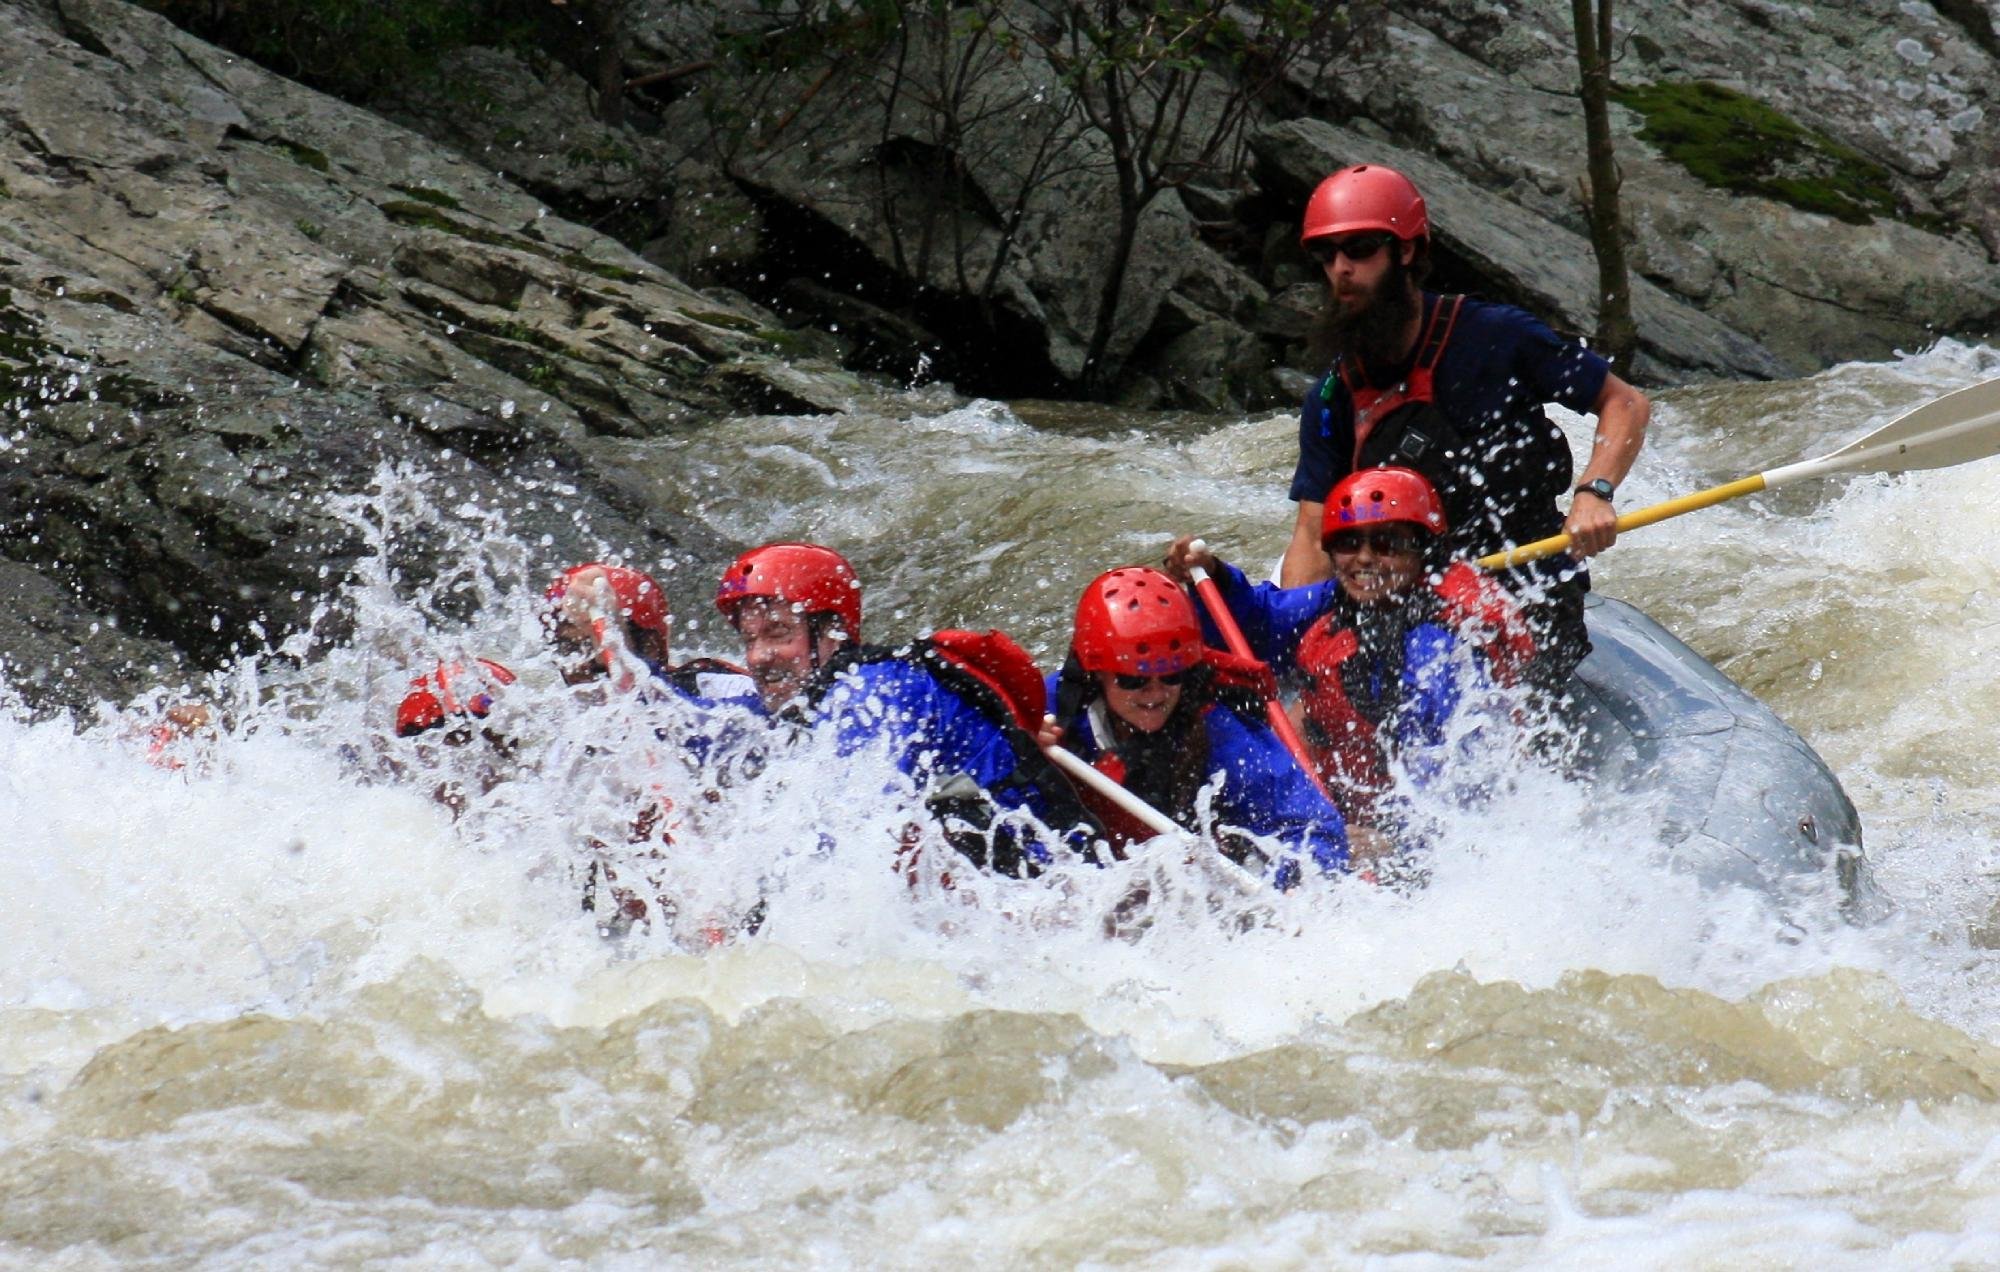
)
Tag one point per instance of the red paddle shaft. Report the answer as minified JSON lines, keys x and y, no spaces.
{"x":1232,"y":635}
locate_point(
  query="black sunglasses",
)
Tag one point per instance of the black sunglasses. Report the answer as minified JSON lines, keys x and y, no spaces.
{"x":1385,"y":542}
{"x":1355,"y":247}
{"x":1129,"y":683}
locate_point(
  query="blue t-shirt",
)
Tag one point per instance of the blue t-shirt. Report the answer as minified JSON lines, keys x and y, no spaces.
{"x":1498,"y":368}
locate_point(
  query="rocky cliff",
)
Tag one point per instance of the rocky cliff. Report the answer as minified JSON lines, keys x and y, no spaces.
{"x":225,"y":299}
{"x":1803,"y":185}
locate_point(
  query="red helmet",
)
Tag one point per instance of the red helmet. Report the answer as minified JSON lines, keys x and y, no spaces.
{"x":1367,"y":196}
{"x":449,"y":691}
{"x":1136,"y":621}
{"x":815,"y":580}
{"x":1381,"y":494}
{"x":640,"y":600}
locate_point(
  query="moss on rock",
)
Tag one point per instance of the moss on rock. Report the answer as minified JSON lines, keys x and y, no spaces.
{"x":303,"y":155}
{"x":424,"y":194}
{"x":1732,"y":141}
{"x":727,"y":321}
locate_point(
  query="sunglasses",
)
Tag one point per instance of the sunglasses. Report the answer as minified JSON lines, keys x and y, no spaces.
{"x":1129,"y":683}
{"x":1382,"y":542}
{"x":1355,"y":247}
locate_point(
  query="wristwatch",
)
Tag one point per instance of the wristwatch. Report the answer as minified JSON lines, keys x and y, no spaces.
{"x":1599,"y":486}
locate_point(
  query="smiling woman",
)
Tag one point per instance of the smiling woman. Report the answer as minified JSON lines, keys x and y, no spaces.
{"x":1142,"y":702}
{"x":1373,"y":565}
{"x":1382,"y":527}
{"x":1145,"y":701}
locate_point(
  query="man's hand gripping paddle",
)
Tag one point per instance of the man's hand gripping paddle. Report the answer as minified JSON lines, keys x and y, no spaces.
{"x":1954,"y":429}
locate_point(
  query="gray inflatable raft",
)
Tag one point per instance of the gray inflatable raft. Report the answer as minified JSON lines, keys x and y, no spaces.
{"x":1746,"y":801}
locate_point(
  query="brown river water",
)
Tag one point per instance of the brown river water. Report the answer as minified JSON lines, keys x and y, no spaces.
{"x":276,"y":1008}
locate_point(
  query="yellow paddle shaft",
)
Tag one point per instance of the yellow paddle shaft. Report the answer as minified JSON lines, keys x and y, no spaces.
{"x":1630,"y":521}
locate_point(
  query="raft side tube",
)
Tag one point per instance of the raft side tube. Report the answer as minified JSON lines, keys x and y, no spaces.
{"x":1743,"y":799}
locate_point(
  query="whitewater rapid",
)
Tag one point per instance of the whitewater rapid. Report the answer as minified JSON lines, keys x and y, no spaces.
{"x":277,"y":1006}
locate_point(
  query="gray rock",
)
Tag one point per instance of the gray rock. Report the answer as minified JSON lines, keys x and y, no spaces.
{"x":1485,"y":91}
{"x":226,"y":301}
{"x":668,"y":33}
{"x":534,"y":125}
{"x":878,"y":338}
{"x":1211,"y":281}
{"x":1214,"y":367}
{"x":1893,"y":79}
{"x":1815,"y":290}
{"x":59,"y":656}
{"x":1178,"y":315}
{"x":868,"y":169}
{"x":714,"y":230}
{"x":1289,"y":315}
{"x":1205,"y":203}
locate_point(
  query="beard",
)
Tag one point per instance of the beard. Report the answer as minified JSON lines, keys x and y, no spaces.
{"x":1374,"y":327}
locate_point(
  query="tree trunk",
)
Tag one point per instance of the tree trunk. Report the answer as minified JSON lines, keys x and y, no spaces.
{"x":1097,"y":376}
{"x":606,"y":27}
{"x":1617,"y":337}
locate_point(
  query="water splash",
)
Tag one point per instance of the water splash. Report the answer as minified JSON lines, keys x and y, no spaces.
{"x":279,"y":1004}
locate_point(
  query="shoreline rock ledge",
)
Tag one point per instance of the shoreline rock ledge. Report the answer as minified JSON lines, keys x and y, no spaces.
{"x":226,"y":299}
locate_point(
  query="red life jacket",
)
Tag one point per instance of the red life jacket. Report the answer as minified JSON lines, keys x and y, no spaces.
{"x":1473,"y":604}
{"x":1004,"y":672}
{"x":1373,"y":406}
{"x":1402,"y":425}
{"x":1340,"y":739}
{"x":1120,"y":827}
{"x":1344,"y":741}
{"x":1244,"y":684}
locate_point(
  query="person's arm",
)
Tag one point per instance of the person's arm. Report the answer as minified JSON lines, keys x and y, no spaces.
{"x":1265,"y":792}
{"x":1320,"y":465}
{"x":1434,"y":672}
{"x":1305,"y":561}
{"x":1273,"y":619}
{"x":1622,"y":412}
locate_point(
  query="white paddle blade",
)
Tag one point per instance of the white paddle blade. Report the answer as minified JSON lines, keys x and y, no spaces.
{"x":1955,"y":429}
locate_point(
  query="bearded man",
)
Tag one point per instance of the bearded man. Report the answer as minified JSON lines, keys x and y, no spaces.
{"x":1455,"y":389}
